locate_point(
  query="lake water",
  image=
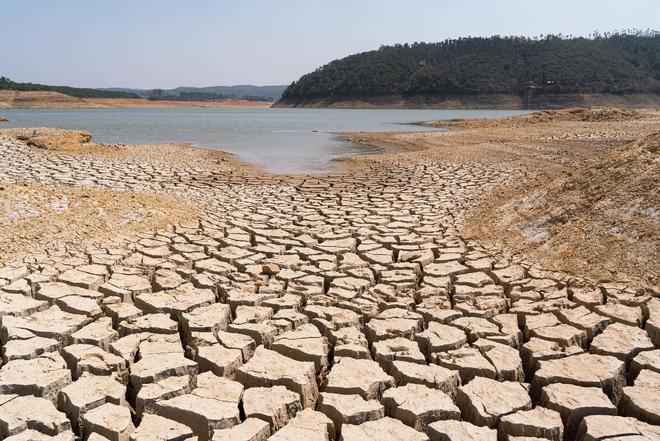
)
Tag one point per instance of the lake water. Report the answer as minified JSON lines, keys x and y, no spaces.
{"x":276,"y":140}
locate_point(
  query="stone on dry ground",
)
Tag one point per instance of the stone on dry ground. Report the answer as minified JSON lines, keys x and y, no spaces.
{"x":606,"y":427}
{"x":157,"y":428}
{"x":18,"y":414}
{"x":452,"y":430}
{"x":268,"y":368}
{"x":43,"y":376}
{"x":109,"y":420}
{"x":349,"y":409}
{"x":357,"y":285}
{"x":212,"y":405}
{"x":276,"y":405}
{"x":538,"y":422}
{"x":588,"y":370}
{"x":418,"y":406}
{"x":252,"y":429}
{"x":642,"y":399}
{"x":484,"y":401}
{"x":34,"y":435}
{"x":362,"y":377}
{"x":87,"y":393}
{"x":574,"y":403}
{"x":307,"y":425}
{"x":621,"y":341}
{"x":382,"y":429}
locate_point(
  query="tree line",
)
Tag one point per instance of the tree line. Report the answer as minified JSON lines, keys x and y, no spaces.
{"x":618,"y":62}
{"x":161,"y":95}
{"x":7,"y":84}
{"x":153,"y":94}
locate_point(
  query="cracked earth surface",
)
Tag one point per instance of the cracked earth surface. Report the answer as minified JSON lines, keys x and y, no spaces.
{"x":336,"y":307}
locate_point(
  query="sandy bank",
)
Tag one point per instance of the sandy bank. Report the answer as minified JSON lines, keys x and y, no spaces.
{"x":11,"y":99}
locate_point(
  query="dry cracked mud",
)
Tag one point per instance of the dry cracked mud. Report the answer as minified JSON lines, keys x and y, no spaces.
{"x":334,"y":307}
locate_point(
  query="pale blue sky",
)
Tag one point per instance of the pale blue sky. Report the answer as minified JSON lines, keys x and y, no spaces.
{"x":167,"y":43}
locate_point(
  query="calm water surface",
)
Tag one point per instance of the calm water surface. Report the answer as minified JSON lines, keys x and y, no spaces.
{"x":277,"y":140}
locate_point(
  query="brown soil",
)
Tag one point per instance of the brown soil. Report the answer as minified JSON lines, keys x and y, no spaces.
{"x":48,"y":217}
{"x":12,"y":99}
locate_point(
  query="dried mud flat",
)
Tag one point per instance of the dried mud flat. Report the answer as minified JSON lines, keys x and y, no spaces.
{"x":234,"y":305}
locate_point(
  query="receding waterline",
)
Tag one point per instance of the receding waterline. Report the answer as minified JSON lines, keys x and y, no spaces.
{"x":276,"y":140}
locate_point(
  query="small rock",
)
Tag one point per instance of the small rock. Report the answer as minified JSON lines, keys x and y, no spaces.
{"x":382,"y":429}
{"x":109,"y":420}
{"x":252,"y":429}
{"x":538,"y":422}
{"x":362,"y":377}
{"x":349,"y":409}
{"x":484,"y":401}
{"x":417,"y":406}
{"x":276,"y":405}
{"x":451,"y":430}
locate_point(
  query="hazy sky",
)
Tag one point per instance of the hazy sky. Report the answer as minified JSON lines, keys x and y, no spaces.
{"x":163,"y":43}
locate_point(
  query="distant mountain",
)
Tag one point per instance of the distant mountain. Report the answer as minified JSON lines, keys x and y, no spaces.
{"x":78,"y":92}
{"x":213,"y":93}
{"x":521,"y":68}
{"x":247,"y":91}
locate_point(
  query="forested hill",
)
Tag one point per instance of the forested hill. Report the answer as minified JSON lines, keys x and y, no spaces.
{"x":619,"y":63}
{"x":272,"y":93}
{"x":213,"y":93}
{"x":78,"y":92}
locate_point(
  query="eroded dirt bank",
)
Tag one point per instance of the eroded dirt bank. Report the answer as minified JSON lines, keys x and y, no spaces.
{"x":150,"y":290}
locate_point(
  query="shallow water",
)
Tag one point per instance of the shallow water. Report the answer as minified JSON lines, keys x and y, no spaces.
{"x":276,"y":140}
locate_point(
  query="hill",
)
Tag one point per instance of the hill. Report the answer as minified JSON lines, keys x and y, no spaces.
{"x":525,"y":71}
{"x":7,"y":84}
{"x":196,"y":94}
{"x":272,"y":93}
